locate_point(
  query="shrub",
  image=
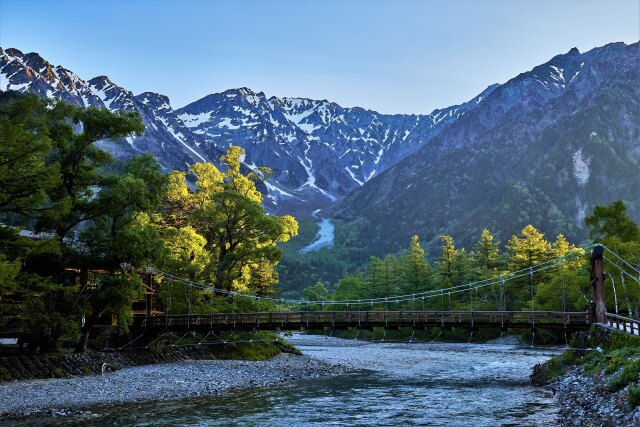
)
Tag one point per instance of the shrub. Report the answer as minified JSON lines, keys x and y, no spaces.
{"x":629,"y":373}
{"x":633,"y":394}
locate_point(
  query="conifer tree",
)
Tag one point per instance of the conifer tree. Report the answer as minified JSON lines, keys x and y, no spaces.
{"x":415,"y":268}
{"x":486,"y":255}
{"x":445,"y":263}
{"x":528,"y":248}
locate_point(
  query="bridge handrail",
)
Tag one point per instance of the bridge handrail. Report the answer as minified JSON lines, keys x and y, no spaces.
{"x":618,"y":317}
{"x":615,"y":321}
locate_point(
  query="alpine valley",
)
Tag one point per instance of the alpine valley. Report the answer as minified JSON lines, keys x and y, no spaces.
{"x":543,"y":148}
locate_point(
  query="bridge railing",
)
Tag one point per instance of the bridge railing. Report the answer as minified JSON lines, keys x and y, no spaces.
{"x":625,"y":324}
{"x":365,"y":318}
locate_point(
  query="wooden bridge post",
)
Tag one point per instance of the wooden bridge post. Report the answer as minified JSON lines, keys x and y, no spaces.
{"x":149,"y":292}
{"x":597,"y":282}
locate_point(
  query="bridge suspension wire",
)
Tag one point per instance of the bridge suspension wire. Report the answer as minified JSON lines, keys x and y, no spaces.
{"x":502,"y":279}
{"x":387,"y":299}
{"x":623,"y":260}
{"x":622,"y":270}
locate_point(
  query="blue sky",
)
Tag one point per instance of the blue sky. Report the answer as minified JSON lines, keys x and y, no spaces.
{"x":393,"y":57}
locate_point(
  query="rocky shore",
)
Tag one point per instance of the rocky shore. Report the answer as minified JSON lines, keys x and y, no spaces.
{"x":164,"y":381}
{"x":586,"y":401}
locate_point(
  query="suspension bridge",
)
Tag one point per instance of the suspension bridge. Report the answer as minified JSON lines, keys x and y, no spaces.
{"x":485,"y":302}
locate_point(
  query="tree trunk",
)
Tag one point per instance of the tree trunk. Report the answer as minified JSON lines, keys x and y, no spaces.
{"x":81,"y":347}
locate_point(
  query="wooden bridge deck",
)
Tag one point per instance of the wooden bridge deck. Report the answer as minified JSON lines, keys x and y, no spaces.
{"x":364,"y":320}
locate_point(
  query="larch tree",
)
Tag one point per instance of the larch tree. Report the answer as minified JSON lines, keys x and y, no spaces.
{"x":445,"y":262}
{"x":415,"y":268}
{"x":486,"y":255}
{"x":528,"y":248}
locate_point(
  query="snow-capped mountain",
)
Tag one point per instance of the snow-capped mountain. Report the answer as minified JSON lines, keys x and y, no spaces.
{"x":165,"y":135}
{"x":318,"y":150}
{"x":315,"y":145}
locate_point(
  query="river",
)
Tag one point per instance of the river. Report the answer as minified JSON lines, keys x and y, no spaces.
{"x":389,"y":384}
{"x":324,"y":238}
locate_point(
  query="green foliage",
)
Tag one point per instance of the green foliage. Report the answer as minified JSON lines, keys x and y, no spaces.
{"x":554,"y":368}
{"x":612,"y":221}
{"x":317,"y":292}
{"x":629,"y":373}
{"x":633,"y":396}
{"x":25,"y":141}
{"x":219,"y":232}
{"x":104,"y":221}
{"x":620,"y":340}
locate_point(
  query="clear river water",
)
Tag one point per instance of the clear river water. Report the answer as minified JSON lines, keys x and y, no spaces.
{"x":389,"y":384}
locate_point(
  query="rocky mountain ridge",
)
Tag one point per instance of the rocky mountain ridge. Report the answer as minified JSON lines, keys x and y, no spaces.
{"x":318,"y":150}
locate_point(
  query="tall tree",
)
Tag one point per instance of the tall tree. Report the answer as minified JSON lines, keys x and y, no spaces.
{"x":445,"y":262}
{"x":527,"y":248}
{"x":486,"y":255}
{"x":562,"y":248}
{"x":74,"y":132}
{"x":415,"y":268}
{"x":612,"y":221}
{"x":225,"y":210}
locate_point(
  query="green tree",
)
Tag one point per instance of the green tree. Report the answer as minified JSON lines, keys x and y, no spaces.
{"x":351,"y":287}
{"x":612,"y":221}
{"x":562,"y":248}
{"x":317,"y":292}
{"x":415,"y":269}
{"x":486,"y":256}
{"x":25,"y":175}
{"x":80,"y":161}
{"x":225,"y":210}
{"x":528,"y":248}
{"x":612,"y":226}
{"x":525,"y":250}
{"x":445,"y":262}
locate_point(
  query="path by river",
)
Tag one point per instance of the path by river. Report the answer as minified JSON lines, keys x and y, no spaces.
{"x":388,"y":384}
{"x":324,"y":238}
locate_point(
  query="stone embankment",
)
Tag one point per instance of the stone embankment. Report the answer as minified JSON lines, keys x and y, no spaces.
{"x":78,"y":364}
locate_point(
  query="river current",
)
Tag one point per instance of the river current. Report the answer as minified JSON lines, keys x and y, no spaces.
{"x":389,"y":384}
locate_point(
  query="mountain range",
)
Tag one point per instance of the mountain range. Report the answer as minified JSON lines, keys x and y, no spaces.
{"x":318,"y":150}
{"x":542,"y":148}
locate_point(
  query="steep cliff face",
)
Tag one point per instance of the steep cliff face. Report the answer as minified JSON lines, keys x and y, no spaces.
{"x":543,"y":148}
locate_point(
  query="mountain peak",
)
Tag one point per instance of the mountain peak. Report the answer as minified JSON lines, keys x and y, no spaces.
{"x":155,"y":100}
{"x":12,"y":51}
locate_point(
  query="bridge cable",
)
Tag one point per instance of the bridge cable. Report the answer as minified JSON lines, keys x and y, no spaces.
{"x":397,"y":298}
{"x":622,"y":270}
{"x":623,"y":260}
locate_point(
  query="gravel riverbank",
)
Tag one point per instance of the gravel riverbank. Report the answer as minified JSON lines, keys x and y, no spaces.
{"x":165,"y":381}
